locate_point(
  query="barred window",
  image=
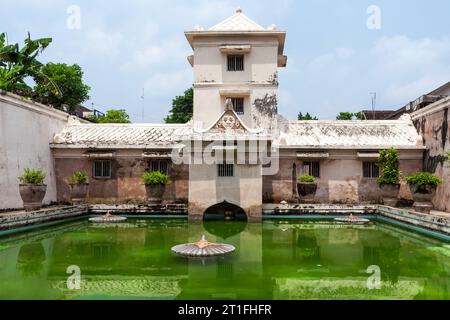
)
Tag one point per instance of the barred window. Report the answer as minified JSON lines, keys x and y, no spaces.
{"x":235,"y":63}
{"x":371,"y":170}
{"x":312,"y":168}
{"x":101,"y":169}
{"x":238,"y":105}
{"x":225,"y":170}
{"x":159,"y":165}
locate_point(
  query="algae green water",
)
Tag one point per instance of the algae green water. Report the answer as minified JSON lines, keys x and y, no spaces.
{"x":293,"y":259}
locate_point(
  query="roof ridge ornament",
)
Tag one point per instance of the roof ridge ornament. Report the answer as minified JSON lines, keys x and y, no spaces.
{"x":238,"y":10}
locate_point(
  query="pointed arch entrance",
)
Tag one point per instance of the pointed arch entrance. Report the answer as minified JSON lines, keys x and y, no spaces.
{"x":225,"y":211}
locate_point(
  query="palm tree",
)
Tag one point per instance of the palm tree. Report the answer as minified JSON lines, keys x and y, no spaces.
{"x":17,"y":64}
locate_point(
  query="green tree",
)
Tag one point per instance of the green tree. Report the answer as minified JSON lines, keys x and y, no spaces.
{"x":358,"y":115}
{"x":115,"y":116}
{"x":182,"y":108}
{"x":17,"y":64}
{"x":307,"y":116}
{"x":69,"y":80}
{"x":345,"y":116}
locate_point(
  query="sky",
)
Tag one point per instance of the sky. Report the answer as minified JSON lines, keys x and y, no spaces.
{"x":335,"y":58}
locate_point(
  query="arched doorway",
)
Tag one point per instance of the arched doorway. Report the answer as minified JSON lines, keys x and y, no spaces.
{"x":225,"y":220}
{"x":225,"y":211}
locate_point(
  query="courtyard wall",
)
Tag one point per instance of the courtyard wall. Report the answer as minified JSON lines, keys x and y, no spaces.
{"x":432,"y":122}
{"x":26,"y":129}
{"x":341,"y":178}
{"x":125,"y":185}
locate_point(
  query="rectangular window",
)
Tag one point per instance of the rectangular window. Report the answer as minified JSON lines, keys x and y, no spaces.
{"x":225,"y":170}
{"x":312,"y":168}
{"x":101,"y":169}
{"x":371,"y":170}
{"x":235,"y":63}
{"x":159,"y":165}
{"x":238,"y":105}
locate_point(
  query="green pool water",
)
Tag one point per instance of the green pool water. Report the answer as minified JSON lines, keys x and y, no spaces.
{"x":292,"y":259}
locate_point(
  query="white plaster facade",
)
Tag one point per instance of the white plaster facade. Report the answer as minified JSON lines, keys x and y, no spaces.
{"x":26,"y":129}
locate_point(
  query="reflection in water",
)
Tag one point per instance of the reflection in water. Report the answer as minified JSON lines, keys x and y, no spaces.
{"x":273,"y":260}
{"x":30,"y":259}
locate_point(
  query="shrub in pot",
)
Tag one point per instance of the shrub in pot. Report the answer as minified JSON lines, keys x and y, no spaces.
{"x":155,"y":185}
{"x":389,"y":179}
{"x":306,"y":188}
{"x":79,"y":187}
{"x":423,"y":187}
{"x":32,"y":189}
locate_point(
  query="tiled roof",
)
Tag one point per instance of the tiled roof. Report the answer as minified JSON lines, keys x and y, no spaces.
{"x":237,"y":22}
{"x":120,"y":135}
{"x":380,"y":134}
{"x":350,"y":134}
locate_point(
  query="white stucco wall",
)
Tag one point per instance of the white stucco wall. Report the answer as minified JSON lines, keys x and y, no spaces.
{"x":207,"y":189}
{"x":211,"y":78}
{"x":26,"y":130}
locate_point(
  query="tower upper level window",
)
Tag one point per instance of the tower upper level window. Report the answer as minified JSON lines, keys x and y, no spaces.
{"x":238,"y":105}
{"x":235,"y":62}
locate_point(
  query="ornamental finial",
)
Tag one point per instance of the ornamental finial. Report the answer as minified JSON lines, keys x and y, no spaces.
{"x":238,"y":10}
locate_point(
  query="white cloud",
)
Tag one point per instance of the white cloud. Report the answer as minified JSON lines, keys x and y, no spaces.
{"x":398,"y":68}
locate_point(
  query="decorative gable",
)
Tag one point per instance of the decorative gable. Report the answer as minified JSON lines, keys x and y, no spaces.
{"x":237,"y":22}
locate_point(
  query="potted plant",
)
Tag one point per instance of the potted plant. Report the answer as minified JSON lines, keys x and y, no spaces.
{"x":32,"y":189}
{"x":423,"y":188}
{"x":79,"y":187}
{"x":306,"y":188}
{"x":389,"y":179}
{"x":155,"y":184}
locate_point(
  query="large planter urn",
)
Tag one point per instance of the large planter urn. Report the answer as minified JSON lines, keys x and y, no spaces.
{"x":423,"y":196}
{"x":390,"y":192}
{"x":155,"y":193}
{"x":307,"y":191}
{"x":78,"y":192}
{"x":32,"y":195}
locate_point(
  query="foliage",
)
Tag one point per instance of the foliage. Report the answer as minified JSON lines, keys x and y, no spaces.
{"x":114,"y":116}
{"x":79,"y":177}
{"x":307,"y":116}
{"x":358,"y":115}
{"x":17,"y":64}
{"x":69,"y":80}
{"x":32,"y":176}
{"x":389,"y":163}
{"x":182,"y":108}
{"x":423,"y":179}
{"x":155,"y":178}
{"x":345,"y":116}
{"x":306,"y":179}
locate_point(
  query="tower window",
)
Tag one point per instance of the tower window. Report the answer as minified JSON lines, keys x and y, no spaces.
{"x":238,"y":105}
{"x":101,"y":169}
{"x":235,"y":63}
{"x":225,"y":170}
{"x":159,"y":165}
{"x":312,"y":168}
{"x":371,"y":170}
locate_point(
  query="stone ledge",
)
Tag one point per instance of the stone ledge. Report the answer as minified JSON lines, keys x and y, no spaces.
{"x":129,"y":209}
{"x":428,"y":221}
{"x":22,"y":218}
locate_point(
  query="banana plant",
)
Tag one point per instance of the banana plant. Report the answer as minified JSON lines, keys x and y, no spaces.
{"x":17,"y":64}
